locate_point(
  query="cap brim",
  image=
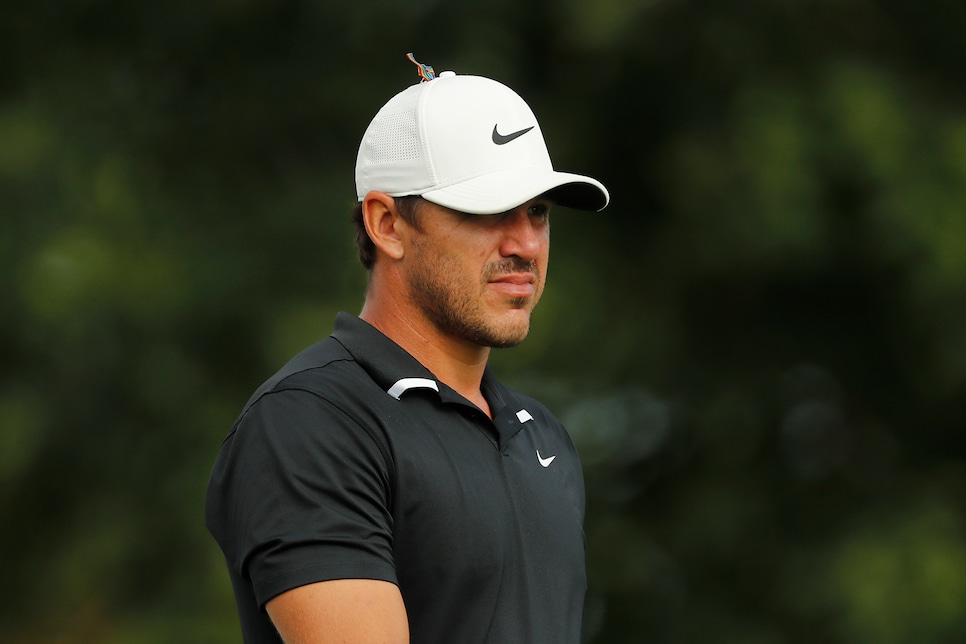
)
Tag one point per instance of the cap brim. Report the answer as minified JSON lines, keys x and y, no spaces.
{"x":501,"y":191}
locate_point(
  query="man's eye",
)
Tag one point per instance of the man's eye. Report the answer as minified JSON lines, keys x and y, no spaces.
{"x":539,"y":210}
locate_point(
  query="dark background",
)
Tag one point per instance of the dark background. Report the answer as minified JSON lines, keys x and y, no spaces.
{"x":760,"y":346}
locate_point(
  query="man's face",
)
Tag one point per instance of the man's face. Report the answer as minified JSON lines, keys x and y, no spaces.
{"x":478,"y":277}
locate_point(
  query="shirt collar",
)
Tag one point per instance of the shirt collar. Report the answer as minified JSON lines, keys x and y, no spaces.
{"x":385,"y":361}
{"x":395,"y":369}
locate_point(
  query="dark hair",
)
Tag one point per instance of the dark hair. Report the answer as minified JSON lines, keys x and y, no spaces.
{"x":407,"y":207}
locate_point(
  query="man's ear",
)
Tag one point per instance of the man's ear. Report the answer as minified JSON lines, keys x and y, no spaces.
{"x":383,"y":223}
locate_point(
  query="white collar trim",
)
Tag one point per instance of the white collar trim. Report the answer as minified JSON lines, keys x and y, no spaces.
{"x":405,"y":384}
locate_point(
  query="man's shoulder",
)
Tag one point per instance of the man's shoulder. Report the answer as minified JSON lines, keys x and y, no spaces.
{"x":323,"y":385}
{"x":325,"y":355}
{"x":316,"y":369}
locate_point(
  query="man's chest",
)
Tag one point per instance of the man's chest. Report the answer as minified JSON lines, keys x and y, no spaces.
{"x":462,"y":504}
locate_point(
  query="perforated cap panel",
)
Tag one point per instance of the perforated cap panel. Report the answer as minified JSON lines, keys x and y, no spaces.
{"x":395,"y":137}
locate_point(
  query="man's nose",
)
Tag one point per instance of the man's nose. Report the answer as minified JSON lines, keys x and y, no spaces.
{"x":522,"y":235}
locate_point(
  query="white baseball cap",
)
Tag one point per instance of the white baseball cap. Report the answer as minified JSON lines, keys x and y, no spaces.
{"x":467,"y":143}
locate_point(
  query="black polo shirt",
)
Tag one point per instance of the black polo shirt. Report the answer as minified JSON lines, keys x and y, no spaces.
{"x":354,"y":461}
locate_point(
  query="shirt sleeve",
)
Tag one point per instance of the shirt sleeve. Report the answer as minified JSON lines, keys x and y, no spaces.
{"x":301,"y":493}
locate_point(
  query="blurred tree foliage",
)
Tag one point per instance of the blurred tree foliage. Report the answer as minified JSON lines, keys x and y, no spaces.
{"x":760,"y":347}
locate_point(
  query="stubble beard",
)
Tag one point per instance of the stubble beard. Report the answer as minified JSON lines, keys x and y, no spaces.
{"x":458,"y":311}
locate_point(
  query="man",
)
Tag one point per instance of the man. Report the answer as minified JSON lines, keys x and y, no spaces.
{"x":383,"y":486}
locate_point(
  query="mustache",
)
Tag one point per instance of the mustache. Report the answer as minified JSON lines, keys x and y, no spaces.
{"x":511,"y":265}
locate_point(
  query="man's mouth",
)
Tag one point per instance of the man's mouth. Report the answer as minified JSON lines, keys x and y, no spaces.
{"x":515,"y":284}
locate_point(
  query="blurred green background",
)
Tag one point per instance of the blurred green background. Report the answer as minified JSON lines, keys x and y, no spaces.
{"x":760,"y":347}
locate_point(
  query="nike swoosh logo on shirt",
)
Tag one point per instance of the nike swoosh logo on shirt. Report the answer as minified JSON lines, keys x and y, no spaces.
{"x":503,"y":139}
{"x":545,"y":461}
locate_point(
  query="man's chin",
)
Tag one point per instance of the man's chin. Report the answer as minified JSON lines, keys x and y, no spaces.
{"x":506,"y":342}
{"x":510,"y":334}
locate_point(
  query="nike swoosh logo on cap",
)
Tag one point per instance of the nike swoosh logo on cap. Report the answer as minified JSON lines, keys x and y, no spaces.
{"x":503,"y":139}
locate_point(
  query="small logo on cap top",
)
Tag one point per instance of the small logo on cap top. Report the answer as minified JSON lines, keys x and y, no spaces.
{"x":503,"y":139}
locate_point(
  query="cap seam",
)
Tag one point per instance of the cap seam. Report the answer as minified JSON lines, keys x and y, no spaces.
{"x":423,"y":130}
